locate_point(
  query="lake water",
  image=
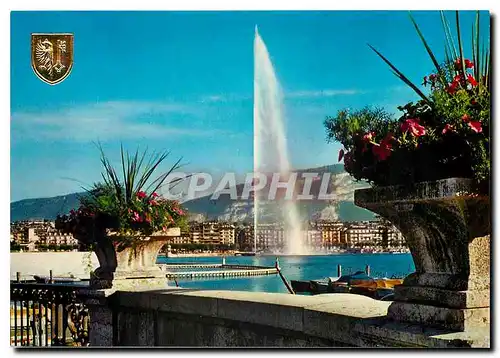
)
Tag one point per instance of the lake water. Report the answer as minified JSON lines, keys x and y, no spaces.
{"x":295,"y":268}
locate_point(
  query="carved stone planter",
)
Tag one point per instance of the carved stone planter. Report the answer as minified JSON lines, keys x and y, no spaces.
{"x":447,"y":230}
{"x":130,"y":267}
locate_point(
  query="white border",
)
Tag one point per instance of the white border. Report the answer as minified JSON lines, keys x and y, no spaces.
{"x":190,"y":5}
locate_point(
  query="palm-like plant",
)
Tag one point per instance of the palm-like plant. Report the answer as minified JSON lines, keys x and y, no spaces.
{"x":480,"y":56}
{"x":127,"y":205}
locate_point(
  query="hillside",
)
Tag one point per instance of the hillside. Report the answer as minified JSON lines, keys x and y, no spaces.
{"x":223,"y":208}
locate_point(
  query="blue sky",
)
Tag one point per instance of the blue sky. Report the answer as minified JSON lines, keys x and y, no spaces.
{"x":184,"y":81}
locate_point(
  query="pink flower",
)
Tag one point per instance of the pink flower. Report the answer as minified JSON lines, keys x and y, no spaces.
{"x":341,"y":154}
{"x":414,"y":127}
{"x":136,"y":217}
{"x":368,"y":137}
{"x":475,"y":126}
{"x":447,"y":128}
{"x":154,"y":195}
{"x":141,"y":195}
{"x":153,"y":202}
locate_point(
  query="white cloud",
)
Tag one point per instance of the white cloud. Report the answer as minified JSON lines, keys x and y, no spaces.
{"x":322,"y":93}
{"x":104,"y":121}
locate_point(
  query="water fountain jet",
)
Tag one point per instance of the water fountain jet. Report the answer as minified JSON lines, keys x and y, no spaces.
{"x":270,"y":145}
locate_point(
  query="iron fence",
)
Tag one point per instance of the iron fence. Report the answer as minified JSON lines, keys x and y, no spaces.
{"x":44,"y":315}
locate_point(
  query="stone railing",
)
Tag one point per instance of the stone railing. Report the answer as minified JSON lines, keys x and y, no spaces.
{"x":191,"y":318}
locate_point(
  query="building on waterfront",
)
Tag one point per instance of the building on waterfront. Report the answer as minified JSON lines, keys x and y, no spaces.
{"x":31,"y":235}
{"x":270,"y":237}
{"x":323,"y":236}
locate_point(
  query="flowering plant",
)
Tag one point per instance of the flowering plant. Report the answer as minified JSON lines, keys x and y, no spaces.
{"x":125,"y":209}
{"x":444,"y":134}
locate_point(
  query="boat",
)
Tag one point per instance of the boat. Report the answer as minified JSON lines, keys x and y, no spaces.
{"x":357,"y":283}
{"x":55,"y":279}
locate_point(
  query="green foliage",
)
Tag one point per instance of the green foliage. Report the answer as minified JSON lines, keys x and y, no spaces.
{"x":14,"y":246}
{"x":445,"y":134}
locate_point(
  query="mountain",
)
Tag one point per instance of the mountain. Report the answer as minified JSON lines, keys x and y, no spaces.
{"x":224,"y":208}
{"x":43,"y":208}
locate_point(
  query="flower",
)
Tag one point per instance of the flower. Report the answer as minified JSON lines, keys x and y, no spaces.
{"x":154,"y":195}
{"x":468,"y":63}
{"x":141,"y":195}
{"x":448,"y":128}
{"x":452,"y":87}
{"x":383,"y":150}
{"x":414,"y":127}
{"x":136,"y":217}
{"x":368,"y":137}
{"x":473,"y":102}
{"x":341,"y":154}
{"x":475,"y":126}
{"x":465,"y":117}
{"x":472,"y":80}
{"x":153,"y":202}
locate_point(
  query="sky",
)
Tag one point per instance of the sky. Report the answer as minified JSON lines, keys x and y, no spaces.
{"x":183,"y":81}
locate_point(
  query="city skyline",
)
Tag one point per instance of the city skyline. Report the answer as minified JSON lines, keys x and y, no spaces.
{"x":183,"y":81}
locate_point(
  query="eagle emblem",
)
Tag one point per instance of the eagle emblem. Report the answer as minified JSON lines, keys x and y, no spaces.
{"x":52,"y":56}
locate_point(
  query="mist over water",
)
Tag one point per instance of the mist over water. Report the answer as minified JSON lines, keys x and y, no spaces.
{"x":270,"y":145}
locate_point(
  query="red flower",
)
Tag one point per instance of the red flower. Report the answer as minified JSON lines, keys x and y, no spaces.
{"x":468,"y":64}
{"x":475,"y":126}
{"x":383,"y":150}
{"x":341,"y":154}
{"x":154,"y":195}
{"x":141,"y":195}
{"x":465,"y":117}
{"x":414,"y":127}
{"x":452,"y":87}
{"x":153,"y":202}
{"x":448,"y":128}
{"x":473,"y":102}
{"x":472,"y":80}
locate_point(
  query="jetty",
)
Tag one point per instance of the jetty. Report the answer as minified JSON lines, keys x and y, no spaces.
{"x":224,"y":270}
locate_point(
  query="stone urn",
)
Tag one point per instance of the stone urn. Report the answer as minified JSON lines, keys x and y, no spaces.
{"x":130,"y":267}
{"x":447,"y":229}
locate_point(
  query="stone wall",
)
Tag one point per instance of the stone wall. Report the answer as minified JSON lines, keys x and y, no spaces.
{"x":28,"y":264}
{"x":189,"y":318}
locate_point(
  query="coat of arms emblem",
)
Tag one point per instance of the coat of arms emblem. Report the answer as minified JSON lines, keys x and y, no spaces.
{"x":52,"y":56}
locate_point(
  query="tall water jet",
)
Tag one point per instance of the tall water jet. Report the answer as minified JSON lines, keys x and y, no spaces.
{"x":270,"y":145}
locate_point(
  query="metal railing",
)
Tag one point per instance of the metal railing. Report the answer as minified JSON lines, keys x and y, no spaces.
{"x":44,"y":315}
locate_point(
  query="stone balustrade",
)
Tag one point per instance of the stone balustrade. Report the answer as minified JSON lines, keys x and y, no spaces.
{"x":201,"y":318}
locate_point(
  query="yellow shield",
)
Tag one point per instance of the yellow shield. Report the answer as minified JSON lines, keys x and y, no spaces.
{"x":52,"y":56}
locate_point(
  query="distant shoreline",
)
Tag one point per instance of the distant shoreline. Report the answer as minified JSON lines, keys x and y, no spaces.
{"x":227,"y":254}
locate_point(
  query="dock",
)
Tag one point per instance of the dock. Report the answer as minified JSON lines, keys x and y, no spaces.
{"x":225,"y":270}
